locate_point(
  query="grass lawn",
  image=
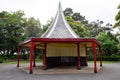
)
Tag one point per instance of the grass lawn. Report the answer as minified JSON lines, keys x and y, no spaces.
{"x":21,"y":61}
{"x":38,"y":60}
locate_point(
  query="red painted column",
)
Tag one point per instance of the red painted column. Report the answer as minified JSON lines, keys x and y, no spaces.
{"x":18,"y":56}
{"x":86,"y":55}
{"x":94,"y":53}
{"x":45,"y":58}
{"x":100,"y":56}
{"x":78,"y":54}
{"x":34,"y":57}
{"x":31,"y":53}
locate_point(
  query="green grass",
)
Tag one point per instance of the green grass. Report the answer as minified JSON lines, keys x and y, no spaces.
{"x":21,"y":61}
{"x":39,"y":60}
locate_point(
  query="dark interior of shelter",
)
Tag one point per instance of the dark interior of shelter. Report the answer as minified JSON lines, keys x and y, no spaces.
{"x":65,"y":61}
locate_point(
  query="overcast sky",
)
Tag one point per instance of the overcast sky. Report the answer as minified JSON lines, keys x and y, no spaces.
{"x":45,"y":9}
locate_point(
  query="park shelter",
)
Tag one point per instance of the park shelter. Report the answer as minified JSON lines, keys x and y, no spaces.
{"x":61,"y":46}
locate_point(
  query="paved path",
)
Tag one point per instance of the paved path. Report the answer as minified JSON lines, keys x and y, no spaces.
{"x":108,"y":72}
{"x":60,"y":70}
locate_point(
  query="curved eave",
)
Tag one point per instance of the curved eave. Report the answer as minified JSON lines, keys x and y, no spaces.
{"x":67,"y":40}
{"x":59,"y":40}
{"x":24,"y":42}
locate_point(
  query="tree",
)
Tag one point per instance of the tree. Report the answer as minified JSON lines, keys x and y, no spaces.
{"x":117,"y":18}
{"x":78,"y":27}
{"x":109,"y":44}
{"x":33,"y":28}
{"x":96,"y":27}
{"x":77,"y":17}
{"x":76,"y":21}
{"x":68,"y":12}
{"x":12,"y":27}
{"x":117,"y":25}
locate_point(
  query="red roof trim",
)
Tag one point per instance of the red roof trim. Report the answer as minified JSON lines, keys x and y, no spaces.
{"x":24,"y":42}
{"x":61,"y":40}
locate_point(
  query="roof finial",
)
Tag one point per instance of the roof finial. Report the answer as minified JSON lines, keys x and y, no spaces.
{"x":59,"y":3}
{"x":59,"y":7}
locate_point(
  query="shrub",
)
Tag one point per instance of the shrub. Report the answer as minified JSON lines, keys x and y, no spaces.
{"x":1,"y":60}
{"x":24,"y":56}
{"x":105,"y":58}
{"x":110,"y":58}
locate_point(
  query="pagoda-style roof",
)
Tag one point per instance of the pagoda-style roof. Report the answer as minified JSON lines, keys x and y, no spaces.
{"x":59,"y":27}
{"x":60,"y":33}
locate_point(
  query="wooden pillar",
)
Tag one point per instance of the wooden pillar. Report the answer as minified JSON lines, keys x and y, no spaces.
{"x":94,"y":53}
{"x":86,"y":55}
{"x":78,"y":54}
{"x":34,"y":57}
{"x":31,"y":54}
{"x":18,"y":56}
{"x":44,"y":57}
{"x":100,"y":50}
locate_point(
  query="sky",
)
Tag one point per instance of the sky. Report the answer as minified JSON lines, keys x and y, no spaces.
{"x":93,"y":10}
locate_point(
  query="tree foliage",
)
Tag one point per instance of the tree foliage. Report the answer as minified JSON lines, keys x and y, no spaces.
{"x":12,"y":25}
{"x":14,"y":28}
{"x":68,"y":12}
{"x":108,"y":42}
{"x":117,"y":25}
{"x":75,"y":16}
{"x":76,"y":21}
{"x":117,"y":18}
{"x":92,"y":29}
{"x":96,"y":27}
{"x":77,"y":27}
{"x":33,"y":28}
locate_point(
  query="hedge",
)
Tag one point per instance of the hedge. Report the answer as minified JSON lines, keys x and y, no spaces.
{"x":105,"y":58}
